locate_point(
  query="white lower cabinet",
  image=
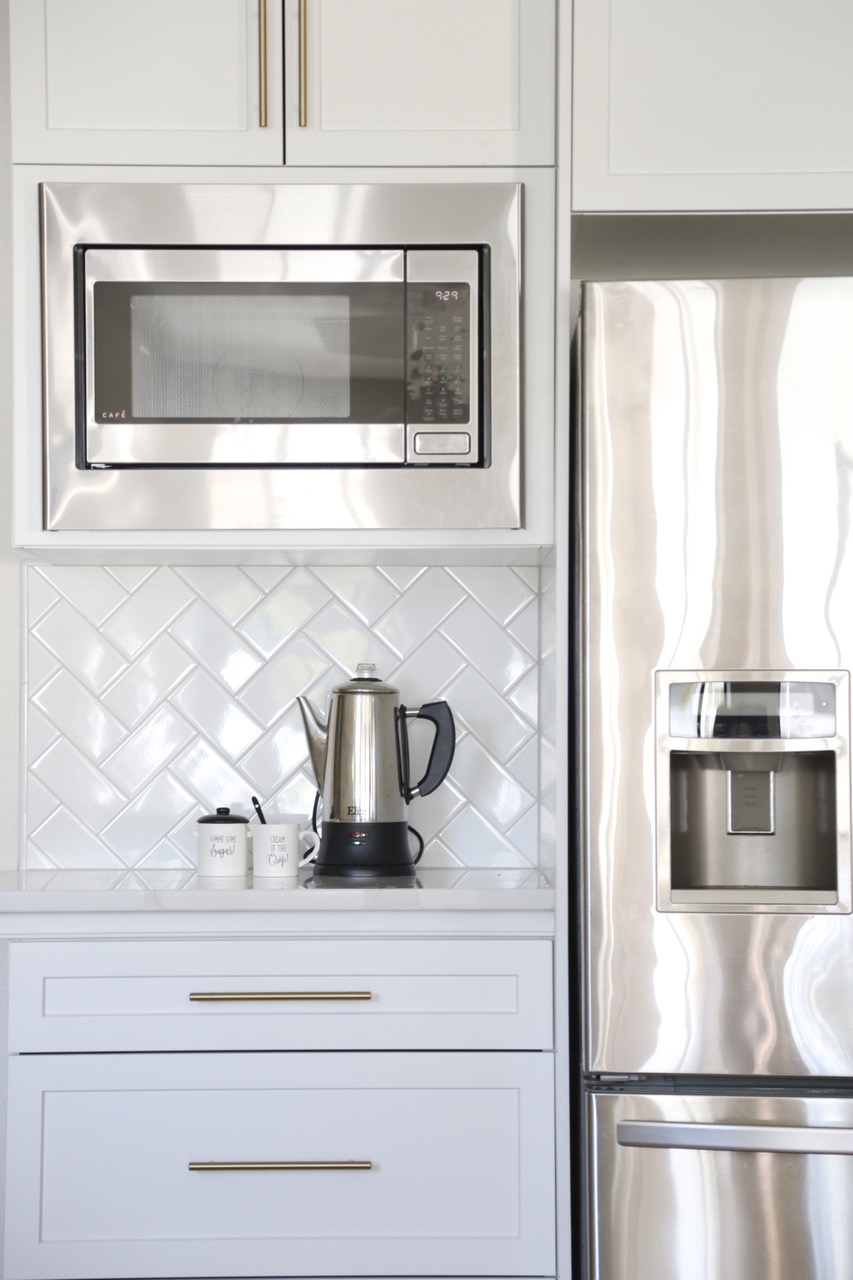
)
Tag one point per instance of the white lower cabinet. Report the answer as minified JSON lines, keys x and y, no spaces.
{"x":118,"y":1165}
{"x":250,"y":1138}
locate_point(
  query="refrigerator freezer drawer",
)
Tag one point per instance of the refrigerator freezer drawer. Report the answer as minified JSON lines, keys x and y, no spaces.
{"x":716,"y":1186}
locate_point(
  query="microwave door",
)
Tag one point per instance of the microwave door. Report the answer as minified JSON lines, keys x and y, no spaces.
{"x":204,"y":357}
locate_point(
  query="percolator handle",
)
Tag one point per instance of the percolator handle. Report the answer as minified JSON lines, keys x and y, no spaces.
{"x":441,"y":755}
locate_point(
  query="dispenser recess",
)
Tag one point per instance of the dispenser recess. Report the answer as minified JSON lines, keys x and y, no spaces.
{"x":753,"y":796}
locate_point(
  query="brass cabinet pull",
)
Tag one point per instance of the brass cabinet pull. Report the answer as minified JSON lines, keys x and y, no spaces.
{"x":281,"y":995}
{"x":303,"y":63}
{"x":218,"y":1166}
{"x":262,"y":62}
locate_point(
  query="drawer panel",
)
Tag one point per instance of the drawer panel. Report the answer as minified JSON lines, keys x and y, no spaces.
{"x":457,"y":1149}
{"x":79,"y":996}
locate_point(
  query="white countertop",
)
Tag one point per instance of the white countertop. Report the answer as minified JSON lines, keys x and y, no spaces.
{"x":434,"y":889}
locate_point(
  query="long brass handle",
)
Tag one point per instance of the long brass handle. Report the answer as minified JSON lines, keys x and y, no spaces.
{"x":217,"y":1166}
{"x":281,"y":995}
{"x":262,"y":61}
{"x":303,"y":63}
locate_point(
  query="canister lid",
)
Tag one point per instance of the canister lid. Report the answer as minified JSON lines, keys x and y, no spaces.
{"x":223,"y":815}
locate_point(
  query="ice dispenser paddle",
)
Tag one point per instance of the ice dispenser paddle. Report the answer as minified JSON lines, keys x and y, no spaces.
{"x":753,"y":793}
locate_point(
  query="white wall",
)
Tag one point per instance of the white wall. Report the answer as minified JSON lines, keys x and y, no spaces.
{"x":10,"y":576}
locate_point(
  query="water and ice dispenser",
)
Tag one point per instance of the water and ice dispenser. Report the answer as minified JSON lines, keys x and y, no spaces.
{"x":753,"y":790}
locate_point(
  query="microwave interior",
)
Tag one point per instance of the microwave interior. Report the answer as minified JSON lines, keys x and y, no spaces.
{"x":281,"y":356}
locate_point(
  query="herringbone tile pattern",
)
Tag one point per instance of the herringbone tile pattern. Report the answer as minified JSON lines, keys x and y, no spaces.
{"x":155,"y":694}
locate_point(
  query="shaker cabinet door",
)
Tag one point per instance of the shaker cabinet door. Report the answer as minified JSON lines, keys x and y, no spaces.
{"x":401,"y":82}
{"x":274,"y":1164}
{"x":153,"y":82}
{"x":353,"y":82}
{"x":739,"y":104}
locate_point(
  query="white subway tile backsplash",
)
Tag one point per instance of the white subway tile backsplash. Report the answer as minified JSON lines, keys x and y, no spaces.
{"x":346,"y":640}
{"x":153,"y":676}
{"x":40,"y":597}
{"x":525,"y":696}
{"x":216,"y":714}
{"x":40,"y":734}
{"x":79,"y":784}
{"x":284,"y":611}
{"x":78,"y":715}
{"x":487,"y":646}
{"x":501,"y":592}
{"x":156,"y":694}
{"x":41,"y":803}
{"x":138,"y":828}
{"x":131,"y":577}
{"x":79,"y":646}
{"x":367,"y":592}
{"x":228,"y":590}
{"x":155,"y":604}
{"x":91,"y":591}
{"x":524,"y":627}
{"x":209,"y":639}
{"x":297,"y":667}
{"x":478,"y":706}
{"x":41,"y":664}
{"x":422,"y":608}
{"x":146,"y":753}
{"x":64,"y":840}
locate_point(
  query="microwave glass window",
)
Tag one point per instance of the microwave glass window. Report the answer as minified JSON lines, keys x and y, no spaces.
{"x":248,"y":356}
{"x":215,"y":352}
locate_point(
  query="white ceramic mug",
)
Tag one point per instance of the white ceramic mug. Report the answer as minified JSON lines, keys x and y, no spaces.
{"x":276,"y":850}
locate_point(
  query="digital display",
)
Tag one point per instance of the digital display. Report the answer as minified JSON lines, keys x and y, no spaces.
{"x":752,"y":709}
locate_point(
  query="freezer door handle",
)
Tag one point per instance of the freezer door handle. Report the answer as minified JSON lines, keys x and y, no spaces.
{"x":734,"y":1137}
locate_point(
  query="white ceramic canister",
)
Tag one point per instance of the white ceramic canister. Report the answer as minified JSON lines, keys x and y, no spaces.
{"x":223,"y":844}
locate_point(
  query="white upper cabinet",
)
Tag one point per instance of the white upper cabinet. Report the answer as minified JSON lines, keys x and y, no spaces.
{"x":146,"y":81}
{"x":407,"y":82}
{"x":261,"y":82}
{"x":739,"y":104}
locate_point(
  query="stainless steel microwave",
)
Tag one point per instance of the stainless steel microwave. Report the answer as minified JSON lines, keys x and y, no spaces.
{"x":282,"y":356}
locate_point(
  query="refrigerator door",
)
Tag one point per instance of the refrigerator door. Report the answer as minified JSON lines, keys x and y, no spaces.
{"x":717,"y":513}
{"x":715,"y":1187}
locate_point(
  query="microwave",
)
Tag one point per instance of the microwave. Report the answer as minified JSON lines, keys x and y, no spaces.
{"x":281,"y":356}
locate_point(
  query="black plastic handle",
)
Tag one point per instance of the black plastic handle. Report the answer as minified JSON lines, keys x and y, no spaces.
{"x":441,"y":755}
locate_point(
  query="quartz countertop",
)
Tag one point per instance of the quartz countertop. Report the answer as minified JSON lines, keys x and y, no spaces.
{"x":439,"y":889}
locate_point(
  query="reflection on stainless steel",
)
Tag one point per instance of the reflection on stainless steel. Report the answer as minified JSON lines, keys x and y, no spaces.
{"x":718,"y":447}
{"x":694,"y":1136}
{"x":766,"y":1208}
{"x":328,"y":487}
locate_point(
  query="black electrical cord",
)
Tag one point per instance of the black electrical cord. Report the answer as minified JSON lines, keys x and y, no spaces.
{"x":420,"y":841}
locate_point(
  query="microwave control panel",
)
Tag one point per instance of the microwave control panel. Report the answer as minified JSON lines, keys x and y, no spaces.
{"x":439,"y":372}
{"x":442,"y":354}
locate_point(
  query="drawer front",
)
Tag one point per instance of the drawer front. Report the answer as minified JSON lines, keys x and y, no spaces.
{"x":118,"y":1165}
{"x":82,"y":996}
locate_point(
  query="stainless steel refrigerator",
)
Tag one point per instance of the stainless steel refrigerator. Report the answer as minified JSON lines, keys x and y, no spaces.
{"x":715,"y":642}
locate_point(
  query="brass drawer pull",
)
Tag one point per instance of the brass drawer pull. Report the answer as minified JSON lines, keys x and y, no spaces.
{"x":281,"y":995}
{"x":262,"y":62}
{"x":303,"y":64}
{"x":218,"y":1166}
